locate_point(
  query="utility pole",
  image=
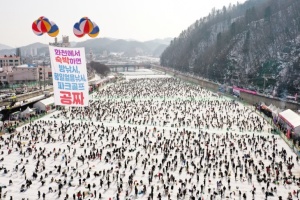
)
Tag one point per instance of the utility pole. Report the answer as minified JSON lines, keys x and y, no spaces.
{"x":39,"y":74}
{"x":44,"y":74}
{"x":264,"y":77}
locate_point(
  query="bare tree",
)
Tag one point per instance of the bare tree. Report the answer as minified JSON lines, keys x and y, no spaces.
{"x":100,"y":68}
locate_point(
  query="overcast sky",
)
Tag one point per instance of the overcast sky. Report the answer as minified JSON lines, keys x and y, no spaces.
{"x":122,"y":19}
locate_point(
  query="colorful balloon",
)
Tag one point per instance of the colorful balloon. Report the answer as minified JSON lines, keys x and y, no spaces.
{"x":82,"y":19}
{"x":95,"y":32}
{"x":86,"y":26}
{"x":76,"y":30}
{"x":35,"y":29}
{"x":43,"y":25}
{"x":53,"y":32}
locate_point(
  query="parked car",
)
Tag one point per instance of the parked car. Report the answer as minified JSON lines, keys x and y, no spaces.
{"x":3,"y":96}
{"x":10,"y":94}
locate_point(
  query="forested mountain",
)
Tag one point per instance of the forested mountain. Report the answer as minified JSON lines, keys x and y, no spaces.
{"x":254,"y":45}
{"x":129,"y":48}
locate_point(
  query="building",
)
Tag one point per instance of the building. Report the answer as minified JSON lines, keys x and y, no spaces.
{"x":18,"y":52}
{"x":11,"y":60}
{"x":65,"y":42}
{"x":33,"y":51}
{"x":25,"y":73}
{"x":6,"y":74}
{"x":45,"y":73}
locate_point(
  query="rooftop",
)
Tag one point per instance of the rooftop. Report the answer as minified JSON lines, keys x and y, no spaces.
{"x":24,"y":66}
{"x":10,"y":56}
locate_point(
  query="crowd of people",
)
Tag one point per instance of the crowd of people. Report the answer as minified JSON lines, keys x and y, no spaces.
{"x":175,"y":104}
{"x":149,"y":139}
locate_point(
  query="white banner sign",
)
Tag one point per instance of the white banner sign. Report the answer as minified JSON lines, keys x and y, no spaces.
{"x":70,"y":81}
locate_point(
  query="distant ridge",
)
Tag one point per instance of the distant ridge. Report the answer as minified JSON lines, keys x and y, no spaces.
{"x":128,"y":47}
{"x":3,"y":46}
{"x":99,"y":45}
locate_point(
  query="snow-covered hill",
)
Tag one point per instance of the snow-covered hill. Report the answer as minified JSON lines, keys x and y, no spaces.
{"x":254,"y":45}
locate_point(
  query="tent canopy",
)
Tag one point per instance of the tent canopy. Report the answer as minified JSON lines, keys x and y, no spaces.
{"x":27,"y":111}
{"x":274,"y":109}
{"x":291,"y":117}
{"x":44,"y":104}
{"x":47,"y":101}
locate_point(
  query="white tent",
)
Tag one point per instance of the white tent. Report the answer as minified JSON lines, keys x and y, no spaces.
{"x":278,"y":110}
{"x":44,"y":105}
{"x":26,"y":112}
{"x":263,"y":104}
{"x":271,"y":107}
{"x":275,"y":111}
{"x":292,"y":119}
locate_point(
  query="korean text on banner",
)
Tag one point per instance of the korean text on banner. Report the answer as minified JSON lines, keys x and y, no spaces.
{"x":70,"y":81}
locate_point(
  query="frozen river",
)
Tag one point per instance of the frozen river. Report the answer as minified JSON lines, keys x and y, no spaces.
{"x":149,"y":137}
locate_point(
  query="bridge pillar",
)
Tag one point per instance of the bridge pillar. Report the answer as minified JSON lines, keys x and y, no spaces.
{"x":127,"y":68}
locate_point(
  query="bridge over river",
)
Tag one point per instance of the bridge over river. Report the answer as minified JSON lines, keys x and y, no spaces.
{"x":127,"y":67}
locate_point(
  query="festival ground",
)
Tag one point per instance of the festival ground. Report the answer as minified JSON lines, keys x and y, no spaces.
{"x":149,"y":138}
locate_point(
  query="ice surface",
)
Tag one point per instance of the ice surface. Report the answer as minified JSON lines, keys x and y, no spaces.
{"x":176,"y":129}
